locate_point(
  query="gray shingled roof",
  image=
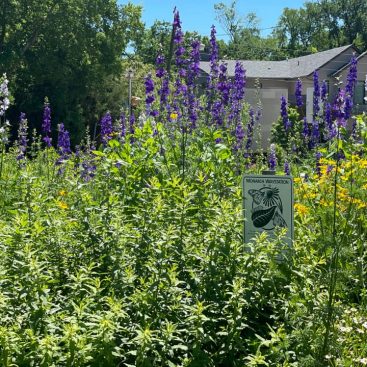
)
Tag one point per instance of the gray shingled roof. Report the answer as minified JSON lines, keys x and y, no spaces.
{"x":347,"y":65}
{"x":292,"y":68}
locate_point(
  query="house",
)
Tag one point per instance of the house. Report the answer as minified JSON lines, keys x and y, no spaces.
{"x":277,"y":78}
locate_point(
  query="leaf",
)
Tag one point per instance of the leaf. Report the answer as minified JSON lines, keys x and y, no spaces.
{"x":98,"y":153}
{"x":261,"y":218}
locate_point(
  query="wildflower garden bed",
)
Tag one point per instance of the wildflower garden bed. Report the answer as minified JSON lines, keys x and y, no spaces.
{"x":131,"y":252}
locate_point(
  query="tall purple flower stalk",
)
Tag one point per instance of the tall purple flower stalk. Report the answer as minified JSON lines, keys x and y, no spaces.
{"x":149,"y":95}
{"x":214,"y":55}
{"x":46,"y":124}
{"x":237,"y":94}
{"x":349,"y":88}
{"x":224,"y":85}
{"x":163,"y":91}
{"x":22,"y":137}
{"x":330,"y":127}
{"x":351,"y":77}
{"x":180,"y":60}
{"x":63,"y":147}
{"x":4,"y":95}
{"x":63,"y":141}
{"x":298,"y":93}
{"x":193,"y":73}
{"x":106,"y":128}
{"x":240,"y":134}
{"x":316,"y":94}
{"x":87,"y":166}
{"x":178,"y":39}
{"x":272,"y":158}
{"x":284,"y":113}
{"x":339,"y":109}
{"x":305,"y":130}
{"x":287,"y":168}
{"x":324,"y":90}
{"x":214,"y":70}
{"x":160,"y":70}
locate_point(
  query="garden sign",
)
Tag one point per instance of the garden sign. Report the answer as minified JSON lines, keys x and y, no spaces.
{"x":267,"y":204}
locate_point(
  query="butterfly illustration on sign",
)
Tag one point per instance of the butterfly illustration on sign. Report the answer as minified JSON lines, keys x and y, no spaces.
{"x":267,"y":208}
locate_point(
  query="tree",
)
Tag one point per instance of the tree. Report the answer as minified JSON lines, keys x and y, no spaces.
{"x":245,"y":41}
{"x":64,"y":49}
{"x":323,"y":25}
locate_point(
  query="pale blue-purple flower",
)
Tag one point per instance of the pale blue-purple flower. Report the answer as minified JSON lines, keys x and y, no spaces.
{"x":63,"y":147}
{"x":22,"y":137}
{"x":272,"y":158}
{"x":4,"y":95}
{"x":324,"y":90}
{"x":284,"y":113}
{"x":250,"y":129}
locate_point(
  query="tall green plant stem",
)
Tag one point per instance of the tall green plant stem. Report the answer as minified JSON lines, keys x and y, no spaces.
{"x":334,"y":265}
{"x":2,"y":160}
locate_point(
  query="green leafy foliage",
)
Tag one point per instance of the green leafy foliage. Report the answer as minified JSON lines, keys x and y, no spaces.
{"x":145,"y":265}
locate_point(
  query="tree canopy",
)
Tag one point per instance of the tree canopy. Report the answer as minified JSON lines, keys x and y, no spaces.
{"x":65,"y":50}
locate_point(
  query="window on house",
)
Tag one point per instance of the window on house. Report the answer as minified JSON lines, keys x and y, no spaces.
{"x":359,"y":93}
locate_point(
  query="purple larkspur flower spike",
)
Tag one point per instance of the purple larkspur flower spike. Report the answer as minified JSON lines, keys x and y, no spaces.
{"x":22,"y":137}
{"x":106,"y":128}
{"x":316,"y":94}
{"x":272,"y":157}
{"x":298,"y":93}
{"x":46,"y":125}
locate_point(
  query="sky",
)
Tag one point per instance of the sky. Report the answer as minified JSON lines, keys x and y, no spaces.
{"x":199,"y":15}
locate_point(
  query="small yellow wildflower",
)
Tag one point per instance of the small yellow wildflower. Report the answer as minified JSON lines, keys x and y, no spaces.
{"x":301,"y":209}
{"x":173,"y":116}
{"x":62,"y":205}
{"x":62,"y":193}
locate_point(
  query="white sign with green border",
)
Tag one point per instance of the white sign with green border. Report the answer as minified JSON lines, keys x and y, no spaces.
{"x":267,"y":204}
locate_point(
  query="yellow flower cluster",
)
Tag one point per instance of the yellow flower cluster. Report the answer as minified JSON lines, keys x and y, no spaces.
{"x":301,"y":209}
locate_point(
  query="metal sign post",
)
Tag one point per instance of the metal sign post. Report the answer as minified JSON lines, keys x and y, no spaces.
{"x":268,"y":205}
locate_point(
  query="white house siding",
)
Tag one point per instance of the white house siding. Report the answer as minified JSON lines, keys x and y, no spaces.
{"x":269,"y":94}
